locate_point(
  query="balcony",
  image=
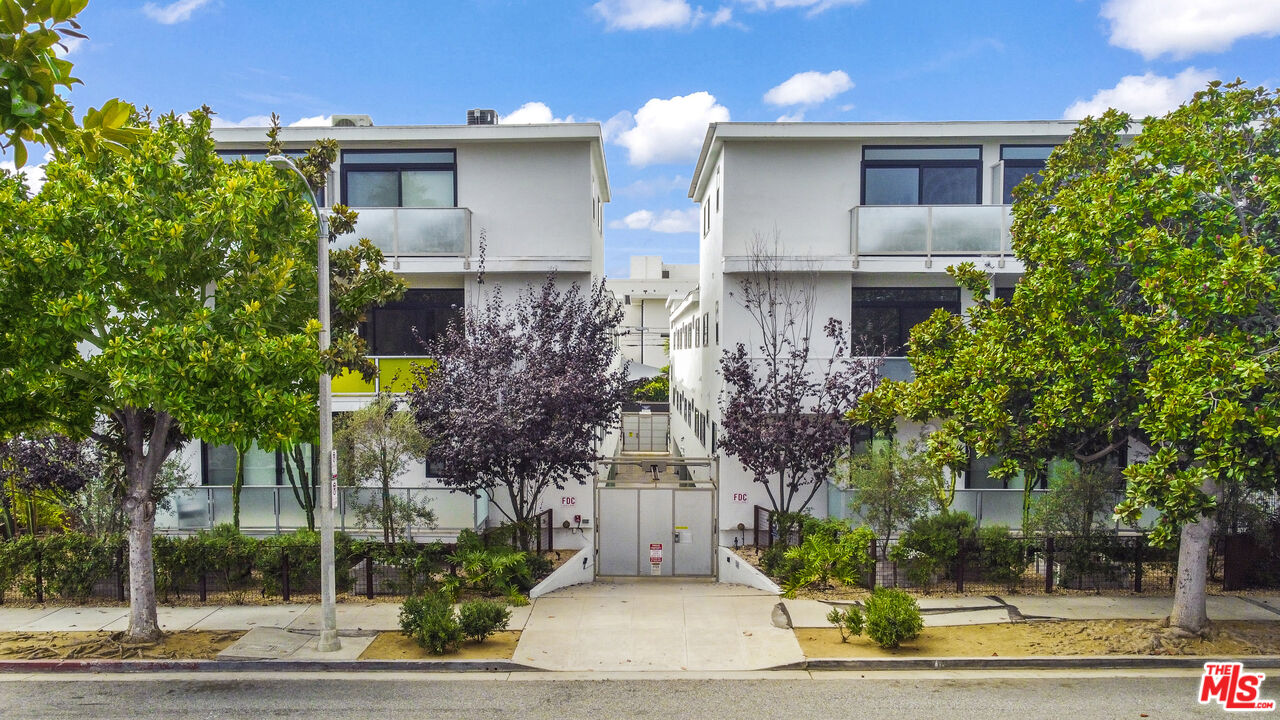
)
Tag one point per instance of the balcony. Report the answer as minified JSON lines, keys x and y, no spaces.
{"x":395,"y":374}
{"x":930,"y":230}
{"x":273,"y":509}
{"x":414,"y":232}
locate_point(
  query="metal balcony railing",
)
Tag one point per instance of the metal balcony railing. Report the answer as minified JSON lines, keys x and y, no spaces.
{"x":415,"y":232}
{"x":929,"y":230}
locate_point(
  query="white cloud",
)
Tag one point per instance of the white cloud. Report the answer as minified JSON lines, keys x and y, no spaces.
{"x":174,"y":12}
{"x":809,"y":88}
{"x":1182,"y":28}
{"x":616,"y":125}
{"x":671,"y":131}
{"x":1142,"y":95}
{"x":314,"y":121}
{"x":67,"y":45}
{"x":797,"y":116}
{"x":653,"y":186}
{"x":667,"y":221}
{"x":813,"y":6}
{"x":251,"y":121}
{"x":644,"y":14}
{"x":533,"y":113}
{"x":659,"y":14}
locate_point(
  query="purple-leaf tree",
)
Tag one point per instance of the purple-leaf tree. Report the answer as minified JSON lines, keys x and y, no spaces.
{"x":783,"y":406}
{"x":48,"y":467}
{"x":517,"y":395}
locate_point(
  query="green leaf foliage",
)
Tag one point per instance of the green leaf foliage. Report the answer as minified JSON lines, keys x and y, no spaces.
{"x":893,"y":617}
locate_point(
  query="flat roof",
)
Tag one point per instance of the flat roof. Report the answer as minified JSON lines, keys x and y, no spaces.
{"x":718,"y":133}
{"x":394,"y":136}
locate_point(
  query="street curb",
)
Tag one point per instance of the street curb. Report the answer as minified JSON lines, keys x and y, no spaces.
{"x":139,"y":666}
{"x":1038,"y":662}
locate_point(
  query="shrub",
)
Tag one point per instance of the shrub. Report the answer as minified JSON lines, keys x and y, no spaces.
{"x":481,"y":618}
{"x":1001,"y":555}
{"x":73,"y":563}
{"x":775,"y":563}
{"x":496,"y":570}
{"x":932,"y":543}
{"x":430,"y":621}
{"x":829,"y":551}
{"x":893,"y":617}
{"x":848,"y":621}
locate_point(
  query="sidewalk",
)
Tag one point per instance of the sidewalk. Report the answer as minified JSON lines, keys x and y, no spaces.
{"x":636,"y":626}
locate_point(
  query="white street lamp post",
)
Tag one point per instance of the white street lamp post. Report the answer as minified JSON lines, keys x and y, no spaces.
{"x":328,"y":641}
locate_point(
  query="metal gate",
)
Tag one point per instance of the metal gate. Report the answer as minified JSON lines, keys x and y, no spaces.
{"x":655,"y":530}
{"x":645,"y":432}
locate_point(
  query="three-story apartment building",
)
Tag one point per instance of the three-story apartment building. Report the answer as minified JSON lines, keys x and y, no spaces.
{"x":442,"y":202}
{"x":875,"y":212}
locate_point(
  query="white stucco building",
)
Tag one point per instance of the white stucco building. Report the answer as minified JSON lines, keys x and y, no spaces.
{"x":646,"y":323}
{"x":430,"y":197}
{"x":878,"y":211}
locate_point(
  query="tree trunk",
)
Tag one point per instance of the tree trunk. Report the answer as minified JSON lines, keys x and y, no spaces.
{"x":1189,"y":611}
{"x":143,"y":625}
{"x":236,"y":486}
{"x":145,"y":450}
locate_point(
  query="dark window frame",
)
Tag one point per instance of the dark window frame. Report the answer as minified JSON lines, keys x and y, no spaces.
{"x":951,"y":305}
{"x":1006,"y":197}
{"x":398,"y":167}
{"x":369,"y":327}
{"x":204,"y":466}
{"x":919,"y":164}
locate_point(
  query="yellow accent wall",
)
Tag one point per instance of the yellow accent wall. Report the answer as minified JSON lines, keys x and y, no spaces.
{"x":396,"y":374}
{"x":351,"y":382}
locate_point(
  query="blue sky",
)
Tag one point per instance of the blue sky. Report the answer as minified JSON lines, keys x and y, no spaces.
{"x":656,"y":71}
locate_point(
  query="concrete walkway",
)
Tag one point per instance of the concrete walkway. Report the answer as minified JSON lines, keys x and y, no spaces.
{"x":645,"y":625}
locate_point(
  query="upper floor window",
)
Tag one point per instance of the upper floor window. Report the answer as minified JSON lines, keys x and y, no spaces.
{"x":949,"y":175}
{"x":399,"y":178}
{"x":1021,"y":161}
{"x":389,"y":330}
{"x":884,"y":317}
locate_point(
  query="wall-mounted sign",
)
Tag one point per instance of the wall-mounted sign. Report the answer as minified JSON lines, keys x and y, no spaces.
{"x":740,"y":498}
{"x":568,"y":501}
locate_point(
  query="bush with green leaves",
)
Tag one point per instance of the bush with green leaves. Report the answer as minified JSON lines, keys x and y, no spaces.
{"x":848,"y":621}
{"x":429,"y":620}
{"x":489,"y":570}
{"x":481,"y":618}
{"x":1001,"y":557}
{"x":73,"y":563}
{"x":893,"y":617}
{"x":830,"y":550}
{"x":932,"y":544}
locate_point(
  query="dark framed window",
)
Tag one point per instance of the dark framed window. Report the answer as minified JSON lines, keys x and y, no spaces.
{"x":1005,"y":293}
{"x":1021,"y":162}
{"x":389,"y":330}
{"x":400,"y":178}
{"x":883,"y":317}
{"x":917,"y":175}
{"x":261,"y":467}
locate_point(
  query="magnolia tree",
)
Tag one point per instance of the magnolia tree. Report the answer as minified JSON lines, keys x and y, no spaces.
{"x":517,"y":395}
{"x":1148,"y":313}
{"x":151,"y":290}
{"x":783,"y":407}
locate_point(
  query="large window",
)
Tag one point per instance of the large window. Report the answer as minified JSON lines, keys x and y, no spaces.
{"x":410,"y":178}
{"x":389,"y":330}
{"x":922,"y":175}
{"x":261,"y":467}
{"x":1020,"y":162}
{"x":883,"y":317}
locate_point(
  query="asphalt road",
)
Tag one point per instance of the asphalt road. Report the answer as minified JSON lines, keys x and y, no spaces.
{"x":793,"y":696}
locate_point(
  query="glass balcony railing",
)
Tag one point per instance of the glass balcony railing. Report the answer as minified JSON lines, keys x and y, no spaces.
{"x":395,"y":374}
{"x":274,"y":509}
{"x":415,"y":232}
{"x":928,"y":230}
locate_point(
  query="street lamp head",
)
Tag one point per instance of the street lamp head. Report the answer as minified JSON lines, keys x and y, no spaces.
{"x":281,"y":162}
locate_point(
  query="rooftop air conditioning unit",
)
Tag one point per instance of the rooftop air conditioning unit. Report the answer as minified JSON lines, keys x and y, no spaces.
{"x":482,"y":117}
{"x":352,"y":121}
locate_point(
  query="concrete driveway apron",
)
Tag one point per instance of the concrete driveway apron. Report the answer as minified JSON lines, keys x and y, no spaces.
{"x":655,"y":625}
